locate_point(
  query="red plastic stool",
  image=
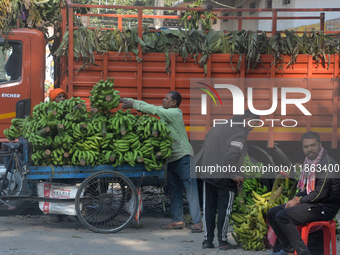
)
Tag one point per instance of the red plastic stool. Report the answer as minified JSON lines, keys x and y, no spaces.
{"x":329,"y":234}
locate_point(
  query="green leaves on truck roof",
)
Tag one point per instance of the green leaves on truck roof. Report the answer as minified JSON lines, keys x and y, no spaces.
{"x":199,"y":45}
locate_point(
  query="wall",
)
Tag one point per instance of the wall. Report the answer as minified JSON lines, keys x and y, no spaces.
{"x":285,"y":24}
{"x":246,"y":24}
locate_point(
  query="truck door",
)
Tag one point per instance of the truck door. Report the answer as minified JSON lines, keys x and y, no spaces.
{"x":14,"y":78}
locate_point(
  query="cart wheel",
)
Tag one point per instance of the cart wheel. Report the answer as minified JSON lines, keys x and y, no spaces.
{"x":106,"y":202}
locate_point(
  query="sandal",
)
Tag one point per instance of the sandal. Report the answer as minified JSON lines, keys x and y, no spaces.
{"x":207,"y":245}
{"x":174,"y":225}
{"x":197,"y":228}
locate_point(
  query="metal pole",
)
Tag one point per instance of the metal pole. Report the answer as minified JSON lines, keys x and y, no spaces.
{"x":322,"y":21}
{"x":274,"y":23}
{"x":239,"y":23}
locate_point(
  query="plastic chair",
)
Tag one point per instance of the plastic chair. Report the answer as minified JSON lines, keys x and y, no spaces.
{"x":329,"y":234}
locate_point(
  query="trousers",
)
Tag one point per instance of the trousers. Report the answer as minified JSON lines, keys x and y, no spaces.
{"x":178,"y":176}
{"x":221,"y":200}
{"x":284,"y":222}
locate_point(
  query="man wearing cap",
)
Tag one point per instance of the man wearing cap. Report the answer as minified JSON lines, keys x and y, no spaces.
{"x":58,"y":95}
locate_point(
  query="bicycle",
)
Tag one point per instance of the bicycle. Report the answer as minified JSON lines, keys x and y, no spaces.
{"x":12,"y":180}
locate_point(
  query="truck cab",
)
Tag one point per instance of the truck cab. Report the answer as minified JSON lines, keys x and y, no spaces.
{"x":22,"y":75}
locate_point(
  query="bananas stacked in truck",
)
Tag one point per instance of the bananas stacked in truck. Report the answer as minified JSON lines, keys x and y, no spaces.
{"x":66,"y":133}
{"x":250,"y":228}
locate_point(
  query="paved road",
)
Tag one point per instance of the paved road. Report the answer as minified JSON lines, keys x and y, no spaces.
{"x":36,"y":234}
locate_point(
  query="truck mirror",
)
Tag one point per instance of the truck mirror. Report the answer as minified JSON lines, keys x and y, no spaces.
{"x":23,"y":108}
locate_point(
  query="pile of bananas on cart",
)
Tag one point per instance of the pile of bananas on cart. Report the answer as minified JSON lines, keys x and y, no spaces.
{"x":250,"y":207}
{"x":66,"y":133}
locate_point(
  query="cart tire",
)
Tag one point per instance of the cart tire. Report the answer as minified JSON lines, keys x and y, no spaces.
{"x":18,"y":187}
{"x":102,"y":199}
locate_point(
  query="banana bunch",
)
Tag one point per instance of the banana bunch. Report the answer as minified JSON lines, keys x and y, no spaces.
{"x":75,"y":110}
{"x":250,"y":229}
{"x":60,"y":157}
{"x":15,"y":130}
{"x":79,"y":130}
{"x":41,"y":157}
{"x":251,"y":184}
{"x":73,"y":104}
{"x":103,"y":96}
{"x":122,"y":122}
{"x":165,"y":147}
{"x":130,"y":157}
{"x":236,"y":205}
{"x":62,"y":138}
{"x":39,"y":141}
{"x":83,"y":156}
{"x":148,"y":146}
{"x":150,"y":126}
{"x":47,"y":121}
{"x":44,"y":116}
{"x":47,"y":109}
{"x":93,"y":142}
{"x":67,"y":126}
{"x":109,"y":156}
{"x":152,"y":160}
{"x":76,"y":116}
{"x":107,"y":140}
{"x":258,"y":167}
{"x":123,"y":143}
{"x":97,"y":125}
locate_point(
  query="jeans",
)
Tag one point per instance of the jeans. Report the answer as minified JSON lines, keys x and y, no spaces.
{"x":178,"y":175}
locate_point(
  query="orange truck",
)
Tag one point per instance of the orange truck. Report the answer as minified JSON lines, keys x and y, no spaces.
{"x":22,"y":71}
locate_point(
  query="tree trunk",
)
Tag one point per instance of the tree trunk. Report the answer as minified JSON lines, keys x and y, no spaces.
{"x":157,"y":23}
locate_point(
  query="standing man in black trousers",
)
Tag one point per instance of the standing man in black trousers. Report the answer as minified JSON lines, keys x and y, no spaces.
{"x":317,"y":200}
{"x":224,"y":146}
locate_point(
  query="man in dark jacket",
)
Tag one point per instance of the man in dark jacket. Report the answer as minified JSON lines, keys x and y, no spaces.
{"x":224,"y":148}
{"x":317,"y":200}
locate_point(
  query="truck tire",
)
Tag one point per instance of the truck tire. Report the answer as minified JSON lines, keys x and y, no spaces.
{"x":18,"y":187}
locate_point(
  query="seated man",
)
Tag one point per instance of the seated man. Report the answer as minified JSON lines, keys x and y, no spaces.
{"x":317,"y":200}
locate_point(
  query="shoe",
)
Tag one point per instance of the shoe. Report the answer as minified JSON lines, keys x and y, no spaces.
{"x":207,"y":245}
{"x":197,"y":228}
{"x":174,"y":225}
{"x":226,"y":246}
{"x":281,"y":252}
